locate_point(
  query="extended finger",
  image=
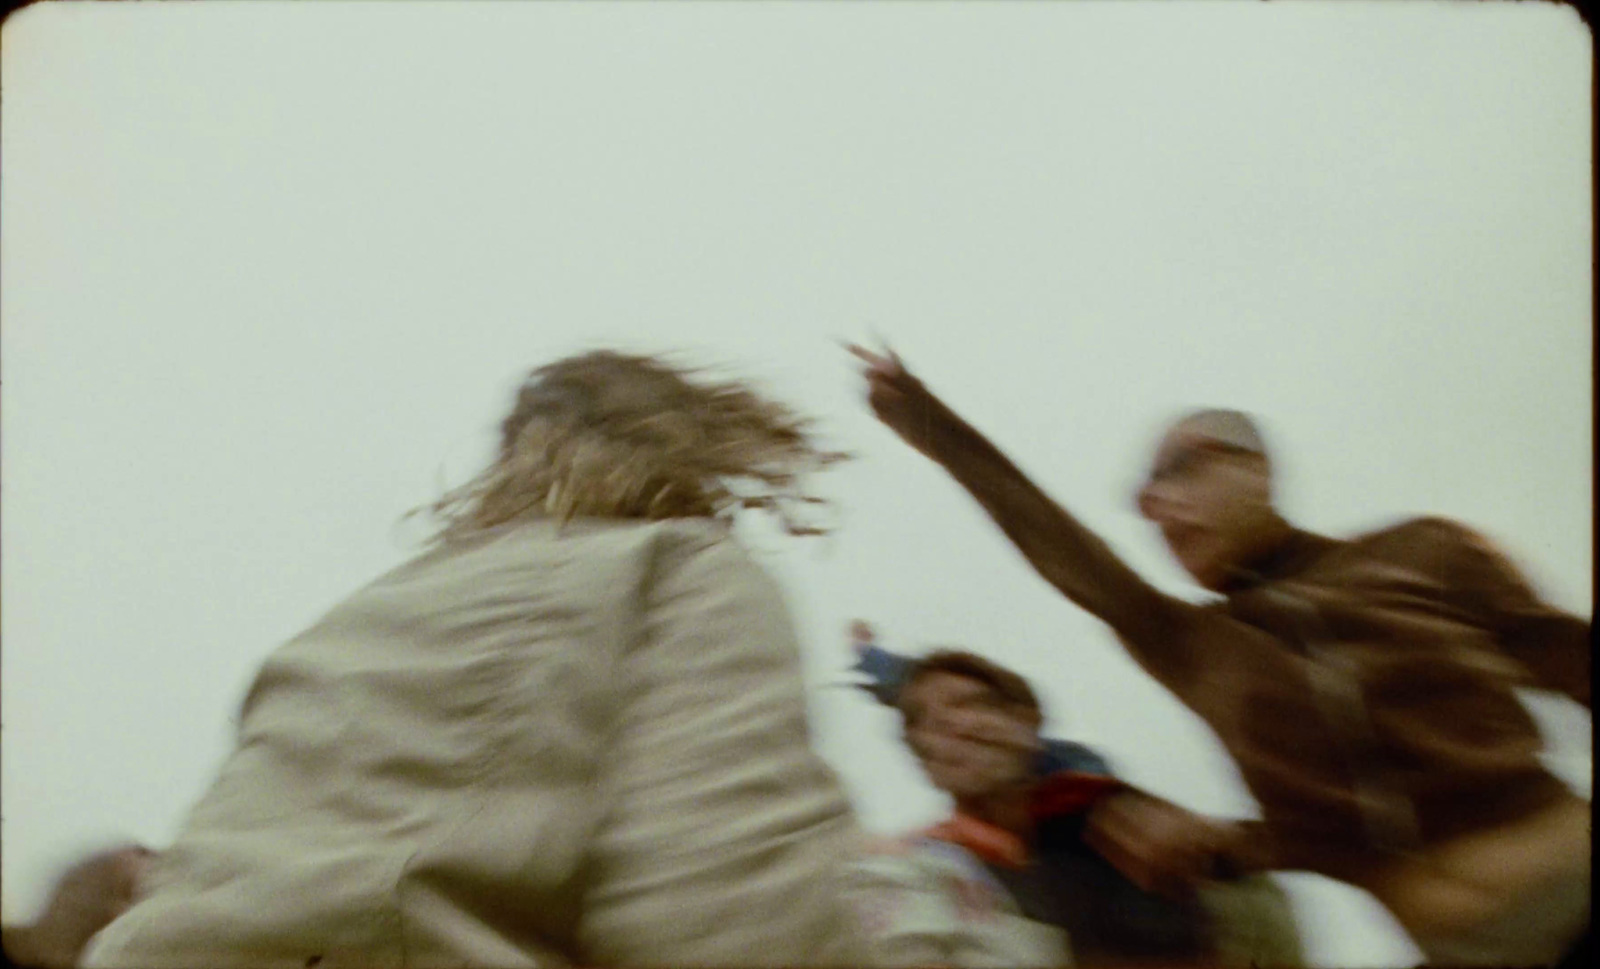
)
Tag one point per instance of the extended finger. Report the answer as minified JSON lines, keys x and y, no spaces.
{"x":874,"y":360}
{"x":885,"y":365}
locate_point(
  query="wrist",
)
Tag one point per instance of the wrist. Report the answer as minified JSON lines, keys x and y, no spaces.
{"x":1245,"y":848}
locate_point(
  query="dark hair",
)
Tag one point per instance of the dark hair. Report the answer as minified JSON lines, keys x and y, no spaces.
{"x":1010,"y":686}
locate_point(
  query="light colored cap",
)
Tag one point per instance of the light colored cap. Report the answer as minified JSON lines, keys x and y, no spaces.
{"x":1229,"y":427}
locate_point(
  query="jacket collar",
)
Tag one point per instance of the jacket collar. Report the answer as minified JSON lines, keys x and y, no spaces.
{"x":1062,"y":793}
{"x":989,"y":842}
{"x":1297,"y":552}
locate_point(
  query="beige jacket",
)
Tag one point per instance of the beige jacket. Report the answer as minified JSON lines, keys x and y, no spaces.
{"x":536,"y":747}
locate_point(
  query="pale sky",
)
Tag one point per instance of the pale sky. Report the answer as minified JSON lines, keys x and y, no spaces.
{"x":271,"y":271}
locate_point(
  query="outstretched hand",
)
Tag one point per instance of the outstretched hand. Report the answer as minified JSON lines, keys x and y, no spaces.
{"x":896,"y":397}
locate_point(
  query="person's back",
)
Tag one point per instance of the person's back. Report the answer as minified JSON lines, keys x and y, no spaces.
{"x":539,"y":743}
{"x":582,"y":744}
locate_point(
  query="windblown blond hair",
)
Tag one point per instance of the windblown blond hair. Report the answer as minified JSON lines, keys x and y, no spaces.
{"x":612,"y":435}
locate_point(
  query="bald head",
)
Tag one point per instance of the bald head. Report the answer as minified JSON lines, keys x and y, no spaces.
{"x":1210,"y":492}
{"x":1210,"y":431}
{"x":1232,"y":428}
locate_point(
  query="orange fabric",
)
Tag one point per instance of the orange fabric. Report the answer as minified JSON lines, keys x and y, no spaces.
{"x":1069,"y":792}
{"x":1065,"y":792}
{"x":990,"y":842}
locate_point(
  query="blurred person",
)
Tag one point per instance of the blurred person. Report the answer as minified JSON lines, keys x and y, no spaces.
{"x":85,"y":899}
{"x":1013,"y":876}
{"x":1364,"y":687}
{"x":572,"y":731}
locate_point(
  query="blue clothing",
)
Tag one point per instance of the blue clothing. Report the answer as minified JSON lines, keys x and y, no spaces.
{"x":1068,"y":884}
{"x":886,"y":673}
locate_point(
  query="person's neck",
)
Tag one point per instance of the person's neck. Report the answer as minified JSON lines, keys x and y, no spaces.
{"x":1274,"y":546}
{"x":1007,"y":809}
{"x":1274,"y":539}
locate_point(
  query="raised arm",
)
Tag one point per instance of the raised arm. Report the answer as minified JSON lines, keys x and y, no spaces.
{"x":1063,"y":551}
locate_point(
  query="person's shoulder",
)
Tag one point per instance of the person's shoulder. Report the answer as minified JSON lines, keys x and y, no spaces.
{"x":1431,"y":545}
{"x":686,"y":559}
{"x":696,"y":536}
{"x":706,"y":539}
{"x":1420,"y":536}
{"x":607,"y":553}
{"x":702,"y":547}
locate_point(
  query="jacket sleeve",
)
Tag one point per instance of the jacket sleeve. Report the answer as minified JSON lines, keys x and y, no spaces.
{"x":1553,"y":645}
{"x":1065,"y":553}
{"x":721,"y":836}
{"x":1179,"y":643}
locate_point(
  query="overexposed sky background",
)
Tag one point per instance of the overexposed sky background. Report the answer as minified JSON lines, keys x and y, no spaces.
{"x":272,"y":269}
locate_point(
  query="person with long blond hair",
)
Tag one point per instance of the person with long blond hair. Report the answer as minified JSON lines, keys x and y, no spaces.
{"x":572,"y":731}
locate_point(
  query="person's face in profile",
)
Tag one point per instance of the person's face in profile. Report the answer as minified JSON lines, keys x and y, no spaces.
{"x":970,"y":740}
{"x":1211,"y":502}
